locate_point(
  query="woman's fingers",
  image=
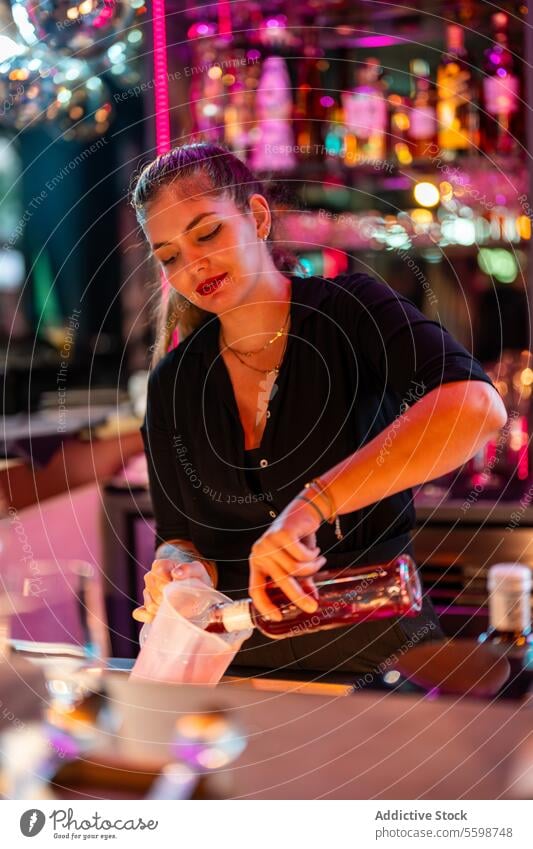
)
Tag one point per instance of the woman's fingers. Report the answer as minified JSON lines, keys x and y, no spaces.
{"x":309,"y":540}
{"x":158,"y":577}
{"x":162,"y":573}
{"x":155,"y":586}
{"x":148,"y":610}
{"x":297,"y":549}
{"x":149,"y":603}
{"x":303,"y":570}
{"x":141,"y":615}
{"x":293,"y":590}
{"x":283,"y":541}
{"x":194,"y":569}
{"x":162,"y":568}
{"x":309,"y":586}
{"x":260,"y":598}
{"x":264,"y":555}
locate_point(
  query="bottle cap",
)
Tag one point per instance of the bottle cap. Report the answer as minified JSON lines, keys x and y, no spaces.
{"x":236,"y":616}
{"x":509,"y":577}
{"x":509,"y":586}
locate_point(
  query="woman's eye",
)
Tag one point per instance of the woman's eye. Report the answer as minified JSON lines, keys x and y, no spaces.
{"x":210,"y":235}
{"x":205,"y":238}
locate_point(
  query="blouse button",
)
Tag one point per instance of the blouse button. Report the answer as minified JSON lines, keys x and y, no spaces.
{"x":272,"y":514}
{"x":263,"y":463}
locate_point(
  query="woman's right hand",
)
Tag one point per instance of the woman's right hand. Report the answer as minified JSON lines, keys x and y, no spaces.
{"x":161,"y":574}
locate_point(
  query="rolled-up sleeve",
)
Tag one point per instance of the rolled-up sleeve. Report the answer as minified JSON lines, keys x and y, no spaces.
{"x":170,"y":519}
{"x":408,"y":352}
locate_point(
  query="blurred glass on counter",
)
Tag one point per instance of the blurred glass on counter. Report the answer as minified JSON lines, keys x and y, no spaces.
{"x":63,"y":631}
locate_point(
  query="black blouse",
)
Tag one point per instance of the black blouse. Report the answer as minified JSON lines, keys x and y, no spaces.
{"x":358,"y":353}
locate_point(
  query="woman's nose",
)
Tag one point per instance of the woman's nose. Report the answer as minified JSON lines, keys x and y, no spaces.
{"x":194,"y":258}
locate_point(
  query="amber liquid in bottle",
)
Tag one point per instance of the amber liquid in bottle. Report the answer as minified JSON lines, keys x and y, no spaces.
{"x":457,"y":109}
{"x":422,"y":129}
{"x":345,"y":596}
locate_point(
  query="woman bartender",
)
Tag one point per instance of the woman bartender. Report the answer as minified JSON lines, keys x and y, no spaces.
{"x":280,"y":381}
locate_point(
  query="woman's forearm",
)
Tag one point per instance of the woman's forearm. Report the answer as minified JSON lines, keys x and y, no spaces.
{"x":184,"y":551}
{"x":437,"y":434}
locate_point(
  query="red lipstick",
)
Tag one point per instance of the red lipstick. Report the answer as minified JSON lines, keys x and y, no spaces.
{"x":207,"y":287}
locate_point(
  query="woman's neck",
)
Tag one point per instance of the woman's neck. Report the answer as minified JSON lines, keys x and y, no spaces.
{"x":252,"y":323}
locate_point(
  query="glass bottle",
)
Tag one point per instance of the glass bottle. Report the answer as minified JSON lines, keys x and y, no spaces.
{"x":365,"y":116}
{"x":501,"y":88}
{"x":239,"y":77}
{"x":345,"y":596}
{"x":400,"y":148}
{"x":273,"y":140}
{"x":422,"y":130}
{"x":312,"y":104}
{"x":457,"y":110}
{"x":509,"y":586}
{"x":206,"y":93}
{"x":334,"y":137}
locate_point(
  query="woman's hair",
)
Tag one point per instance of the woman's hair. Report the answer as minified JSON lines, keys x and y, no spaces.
{"x":210,"y":170}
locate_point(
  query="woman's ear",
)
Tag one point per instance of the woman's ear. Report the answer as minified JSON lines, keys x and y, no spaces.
{"x":261,"y":212}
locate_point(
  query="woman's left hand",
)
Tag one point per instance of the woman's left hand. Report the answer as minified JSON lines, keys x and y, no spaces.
{"x":287,"y":555}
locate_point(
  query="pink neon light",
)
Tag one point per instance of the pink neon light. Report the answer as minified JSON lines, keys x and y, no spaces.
{"x":162,"y":114}
{"x":377,"y":41}
{"x":523,"y":465}
{"x":162,"y":104}
{"x":224,"y":18}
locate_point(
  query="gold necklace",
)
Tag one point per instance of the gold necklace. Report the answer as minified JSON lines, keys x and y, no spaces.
{"x":277,"y":334}
{"x":274,"y":370}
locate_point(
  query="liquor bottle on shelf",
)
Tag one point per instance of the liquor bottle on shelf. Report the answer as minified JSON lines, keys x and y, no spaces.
{"x":345,"y":596}
{"x":238,"y":120}
{"x":312,"y":105}
{"x":241,"y":78}
{"x":365,"y":116}
{"x":399,"y":141}
{"x":422,"y":129}
{"x":500,"y":120}
{"x":457,"y":108}
{"x":509,"y":586}
{"x":273,"y":139}
{"x":334,"y":138}
{"x":207,"y":93}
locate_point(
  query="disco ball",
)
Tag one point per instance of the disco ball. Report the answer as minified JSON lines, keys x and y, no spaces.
{"x":82,"y":107}
{"x":83,"y":28}
{"x":27,"y":89}
{"x":121,"y":60}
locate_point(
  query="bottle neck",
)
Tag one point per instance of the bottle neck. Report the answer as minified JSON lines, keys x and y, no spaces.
{"x":236,"y":616}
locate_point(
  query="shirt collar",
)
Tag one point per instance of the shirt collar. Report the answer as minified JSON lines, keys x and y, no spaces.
{"x":307,"y":295}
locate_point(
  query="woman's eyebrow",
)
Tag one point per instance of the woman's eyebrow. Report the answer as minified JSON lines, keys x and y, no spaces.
{"x":189,"y":226}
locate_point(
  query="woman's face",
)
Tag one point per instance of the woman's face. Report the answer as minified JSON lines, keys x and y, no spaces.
{"x":210,"y":251}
